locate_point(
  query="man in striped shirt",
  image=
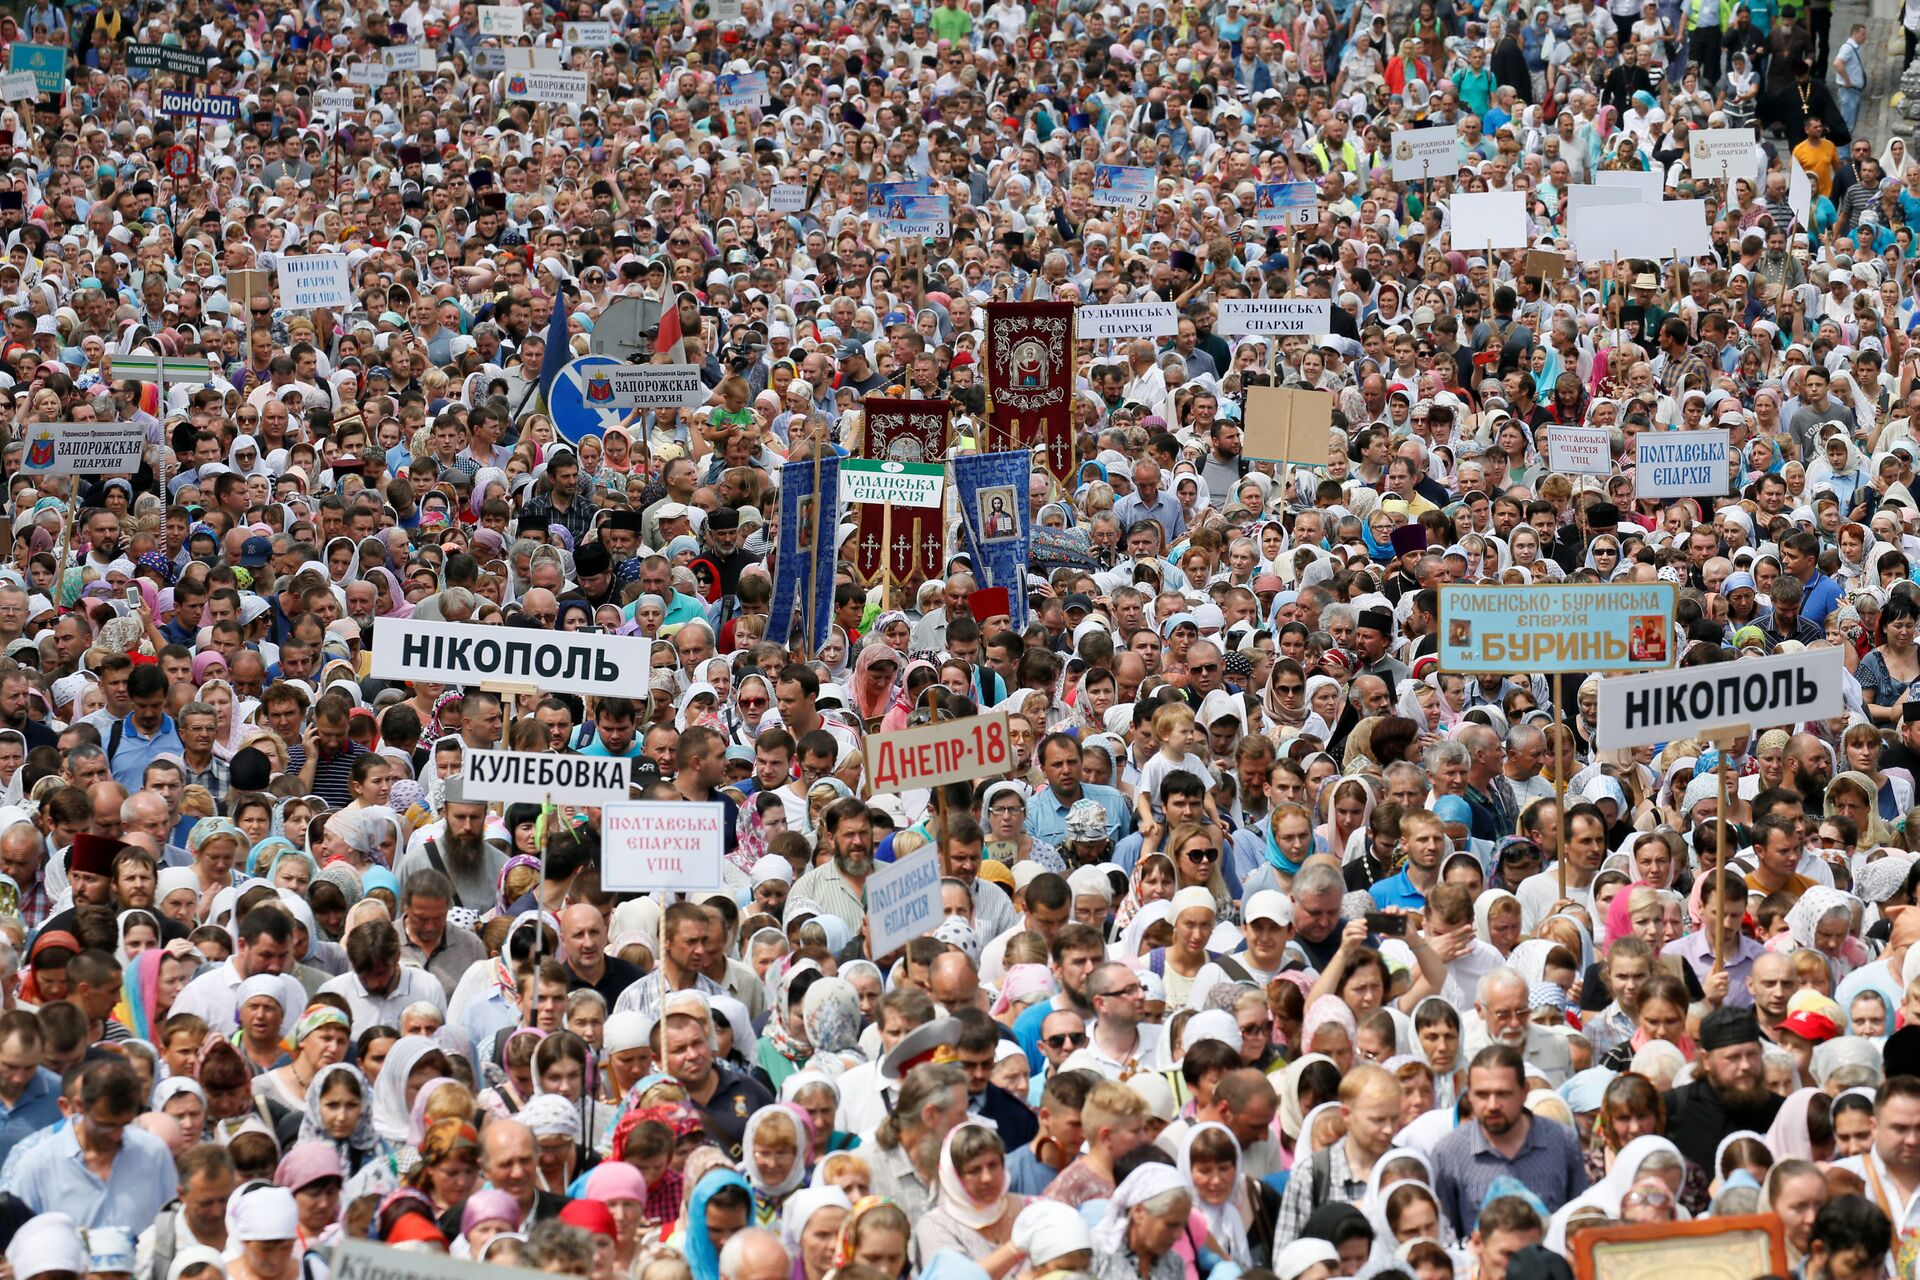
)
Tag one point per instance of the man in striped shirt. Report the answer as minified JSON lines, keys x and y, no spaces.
{"x":329,"y":752}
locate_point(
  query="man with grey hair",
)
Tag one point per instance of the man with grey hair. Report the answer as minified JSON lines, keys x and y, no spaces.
{"x":754,"y":1254}
{"x":906,"y":1148}
{"x":1501,"y":1015}
{"x":1526,"y":757}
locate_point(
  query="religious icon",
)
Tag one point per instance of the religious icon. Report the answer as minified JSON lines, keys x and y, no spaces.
{"x":998,"y":519}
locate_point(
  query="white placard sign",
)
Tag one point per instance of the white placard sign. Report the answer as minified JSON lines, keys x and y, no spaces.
{"x":903,"y":901}
{"x":1425,"y":153}
{"x":933,"y":755}
{"x":530,"y":777}
{"x":1665,"y":231}
{"x":1489,"y":220}
{"x":641,"y":386}
{"x":502,"y":20}
{"x":788,"y":197}
{"x":1681,"y":464}
{"x":1274,"y":315}
{"x":1757,"y":693}
{"x":309,"y":280}
{"x":1580,"y":451}
{"x":561,"y":87}
{"x":588,"y":35}
{"x":1799,"y":192}
{"x":468,"y":654}
{"x":1127,"y":320}
{"x":368,"y":75}
{"x":83,"y":448}
{"x":406,"y":57}
{"x":676,"y":846}
{"x":1581,"y":197}
{"x":1649,"y":184}
{"x":336,"y":101}
{"x":16,"y":85}
{"x":1720,"y":153}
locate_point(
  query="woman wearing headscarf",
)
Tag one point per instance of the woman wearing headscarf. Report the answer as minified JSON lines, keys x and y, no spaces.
{"x":696,"y":1241}
{"x":412,"y":1062}
{"x":783,"y":1049}
{"x":973,"y":1212}
{"x":1629,"y":1169}
{"x":1633,"y":1108}
{"x":810,"y":1225}
{"x":1145,"y":1215}
{"x":1214,"y":1195}
{"x":875,"y":676}
{"x":339,"y":1111}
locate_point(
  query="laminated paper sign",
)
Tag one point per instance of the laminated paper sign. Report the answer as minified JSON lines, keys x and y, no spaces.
{"x":933,"y":755}
{"x":588,"y":35}
{"x":1274,"y":316}
{"x":903,"y":901}
{"x":1128,"y":320}
{"x":1556,"y":629}
{"x":1681,"y":464}
{"x":201,"y":106}
{"x":1423,"y":153}
{"x":788,"y":197}
{"x":1720,"y":153}
{"x":83,"y":448}
{"x":1286,"y":204}
{"x":16,"y":86}
{"x":368,"y":75}
{"x":310,"y":280}
{"x":743,"y":89}
{"x":1119,"y":186}
{"x":560,"y":87}
{"x":502,"y":20}
{"x":405,"y":57}
{"x":469,"y":654}
{"x":533,"y":777}
{"x":1580,"y":451}
{"x":1284,"y":424}
{"x":676,"y":846}
{"x":1756,"y":693}
{"x":639,"y":386}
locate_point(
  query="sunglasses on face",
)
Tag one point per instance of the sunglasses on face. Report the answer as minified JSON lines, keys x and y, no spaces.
{"x":1070,"y":1040}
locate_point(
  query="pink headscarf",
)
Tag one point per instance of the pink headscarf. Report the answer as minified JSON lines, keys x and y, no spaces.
{"x":1619,"y":919}
{"x":1021,"y":982}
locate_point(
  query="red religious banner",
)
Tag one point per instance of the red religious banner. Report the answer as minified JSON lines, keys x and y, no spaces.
{"x":902,"y":431}
{"x":1029,"y":370}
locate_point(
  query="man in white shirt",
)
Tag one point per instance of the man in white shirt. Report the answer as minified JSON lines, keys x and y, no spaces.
{"x":380,"y":987}
{"x":265,"y":947}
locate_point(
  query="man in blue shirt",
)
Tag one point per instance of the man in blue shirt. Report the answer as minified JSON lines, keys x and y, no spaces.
{"x":29,"y":1093}
{"x":1422,"y":840}
{"x":1799,"y":556}
{"x":1149,"y":502}
{"x":1047,"y":811}
{"x":102,"y":1170}
{"x":147,"y":732}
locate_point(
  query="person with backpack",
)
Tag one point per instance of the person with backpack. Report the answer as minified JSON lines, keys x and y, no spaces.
{"x":1370,"y":1104}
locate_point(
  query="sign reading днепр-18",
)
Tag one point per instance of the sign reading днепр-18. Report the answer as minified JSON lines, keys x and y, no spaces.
{"x":1557,"y":630}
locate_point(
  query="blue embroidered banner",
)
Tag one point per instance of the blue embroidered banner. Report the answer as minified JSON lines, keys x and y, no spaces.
{"x":796,"y":575}
{"x":992,"y":491}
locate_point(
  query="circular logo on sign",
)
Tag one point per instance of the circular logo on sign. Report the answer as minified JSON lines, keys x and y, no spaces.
{"x":892,"y":467}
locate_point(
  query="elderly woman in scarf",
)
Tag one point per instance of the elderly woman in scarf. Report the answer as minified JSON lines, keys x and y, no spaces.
{"x":1146,"y":1216}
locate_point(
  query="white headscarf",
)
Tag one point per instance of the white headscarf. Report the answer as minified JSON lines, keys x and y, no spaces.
{"x":1223,"y":1220}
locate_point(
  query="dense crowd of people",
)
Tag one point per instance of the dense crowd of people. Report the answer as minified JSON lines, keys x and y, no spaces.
{"x":1275,"y":950}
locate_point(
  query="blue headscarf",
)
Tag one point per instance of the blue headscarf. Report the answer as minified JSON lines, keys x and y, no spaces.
{"x":702,"y":1257}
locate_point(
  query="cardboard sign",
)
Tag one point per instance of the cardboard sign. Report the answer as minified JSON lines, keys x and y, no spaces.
{"x":1422,"y":153}
{"x":1580,"y":451}
{"x":1547,"y":264}
{"x":648,"y":846}
{"x":903,"y":901}
{"x":1127,"y":320}
{"x":244,"y":286}
{"x":502,"y":20}
{"x":469,"y":654}
{"x":310,"y":280}
{"x":1119,"y":186}
{"x":1555,"y":629}
{"x":936,"y":754}
{"x":1489,"y":220}
{"x":892,"y":484}
{"x":1787,"y":689}
{"x":564,"y":88}
{"x":527,"y":777}
{"x":18,"y":85}
{"x":788,"y":197}
{"x":83,"y":448}
{"x":1284,"y":424}
{"x":1720,"y":153}
{"x":1681,"y":464}
{"x":1274,"y":316}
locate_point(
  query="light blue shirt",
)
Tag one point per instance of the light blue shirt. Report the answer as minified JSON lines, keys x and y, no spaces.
{"x":1165,"y":509}
{"x":141,"y":1182}
{"x":129,"y":763}
{"x":38,"y":1108}
{"x":1047,"y":816}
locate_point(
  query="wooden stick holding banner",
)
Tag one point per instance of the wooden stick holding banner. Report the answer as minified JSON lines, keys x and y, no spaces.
{"x":1490,"y":282}
{"x":813,"y":542}
{"x":1723,"y":741}
{"x":1559,"y":791}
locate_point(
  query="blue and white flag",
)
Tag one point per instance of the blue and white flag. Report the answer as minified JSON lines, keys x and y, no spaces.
{"x":798,"y":576}
{"x":992,"y":491}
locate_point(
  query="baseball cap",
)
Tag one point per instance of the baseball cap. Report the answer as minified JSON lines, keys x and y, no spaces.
{"x":255,"y":552}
